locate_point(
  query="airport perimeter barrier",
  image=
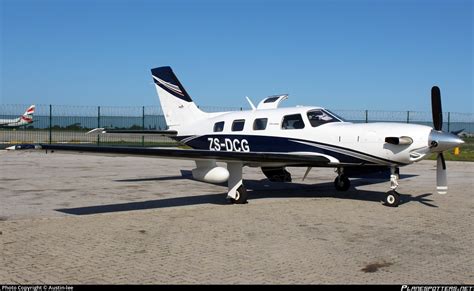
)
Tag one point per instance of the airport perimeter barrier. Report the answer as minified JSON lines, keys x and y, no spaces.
{"x":69,"y":124}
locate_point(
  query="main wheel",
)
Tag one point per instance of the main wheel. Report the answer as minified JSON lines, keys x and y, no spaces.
{"x":240,"y":195}
{"x":392,"y":199}
{"x":342,"y":183}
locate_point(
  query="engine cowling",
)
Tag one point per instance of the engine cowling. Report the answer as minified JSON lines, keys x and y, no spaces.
{"x":211,"y":174}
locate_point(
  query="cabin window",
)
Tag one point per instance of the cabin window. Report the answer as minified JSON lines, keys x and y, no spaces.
{"x":260,"y":124}
{"x":219,"y":126}
{"x":319,"y":117}
{"x":294,"y":121}
{"x":238,"y":125}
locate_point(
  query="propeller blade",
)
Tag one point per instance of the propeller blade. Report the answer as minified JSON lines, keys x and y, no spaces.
{"x":307,"y":172}
{"x":436,"y":108}
{"x":443,"y":162}
{"x":441,"y":179}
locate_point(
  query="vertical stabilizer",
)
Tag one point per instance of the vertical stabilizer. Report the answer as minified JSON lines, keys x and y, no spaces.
{"x":27,"y":117}
{"x":178,"y":107}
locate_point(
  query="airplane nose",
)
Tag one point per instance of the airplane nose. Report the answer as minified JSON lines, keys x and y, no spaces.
{"x":439,"y":141}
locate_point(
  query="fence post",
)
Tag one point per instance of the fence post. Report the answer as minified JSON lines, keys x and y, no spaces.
{"x":50,"y":123}
{"x":449,"y":120}
{"x":408,"y":116}
{"x":367,"y":116}
{"x":143,"y":125}
{"x":98,"y":124}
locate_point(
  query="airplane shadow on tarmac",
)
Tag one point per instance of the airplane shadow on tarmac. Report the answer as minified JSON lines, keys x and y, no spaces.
{"x":256,"y":189}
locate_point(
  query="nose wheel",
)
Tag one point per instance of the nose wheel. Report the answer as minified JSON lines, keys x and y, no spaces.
{"x":392,"y":199}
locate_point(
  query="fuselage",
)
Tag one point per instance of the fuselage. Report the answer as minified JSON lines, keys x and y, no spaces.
{"x":16,"y":122}
{"x":307,"y":130}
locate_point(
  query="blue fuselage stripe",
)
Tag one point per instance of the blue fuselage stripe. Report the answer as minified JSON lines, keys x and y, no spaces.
{"x":257,"y":143}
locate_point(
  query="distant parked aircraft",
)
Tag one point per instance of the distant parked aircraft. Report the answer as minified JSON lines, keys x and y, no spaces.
{"x":25,"y":119}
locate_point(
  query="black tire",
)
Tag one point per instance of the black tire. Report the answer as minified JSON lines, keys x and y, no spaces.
{"x":342,"y":183}
{"x":241,"y":197}
{"x":392,"y":199}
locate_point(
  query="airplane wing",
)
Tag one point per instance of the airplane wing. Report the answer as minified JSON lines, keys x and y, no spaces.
{"x":307,"y":159}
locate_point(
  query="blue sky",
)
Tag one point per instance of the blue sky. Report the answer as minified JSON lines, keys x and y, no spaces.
{"x":377,"y":55}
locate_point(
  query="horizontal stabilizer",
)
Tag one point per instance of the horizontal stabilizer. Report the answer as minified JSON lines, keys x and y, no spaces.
{"x":122,"y":133}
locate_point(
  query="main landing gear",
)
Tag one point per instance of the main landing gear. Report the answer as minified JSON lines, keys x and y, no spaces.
{"x":240,"y":195}
{"x":236,"y":190}
{"x":341,"y":183}
{"x":393,"y":198}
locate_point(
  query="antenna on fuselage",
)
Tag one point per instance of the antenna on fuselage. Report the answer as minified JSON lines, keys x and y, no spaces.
{"x":251,"y":103}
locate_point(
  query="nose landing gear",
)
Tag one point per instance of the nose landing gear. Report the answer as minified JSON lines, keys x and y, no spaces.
{"x":393,"y":198}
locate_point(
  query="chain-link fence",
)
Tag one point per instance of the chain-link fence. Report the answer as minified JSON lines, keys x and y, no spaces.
{"x":69,"y":124}
{"x":452,"y":121}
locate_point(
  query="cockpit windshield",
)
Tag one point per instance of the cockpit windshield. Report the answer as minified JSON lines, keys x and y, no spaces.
{"x":319,"y":117}
{"x":335,"y":115}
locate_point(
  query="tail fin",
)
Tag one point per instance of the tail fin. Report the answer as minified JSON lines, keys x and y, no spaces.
{"x":30,"y":110}
{"x":177,"y":105}
{"x":27,"y":117}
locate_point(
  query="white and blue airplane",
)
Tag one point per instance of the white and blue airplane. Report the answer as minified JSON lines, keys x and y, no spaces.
{"x":273,"y":138}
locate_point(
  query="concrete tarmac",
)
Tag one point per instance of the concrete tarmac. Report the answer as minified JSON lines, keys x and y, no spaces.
{"x":73,"y":219}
